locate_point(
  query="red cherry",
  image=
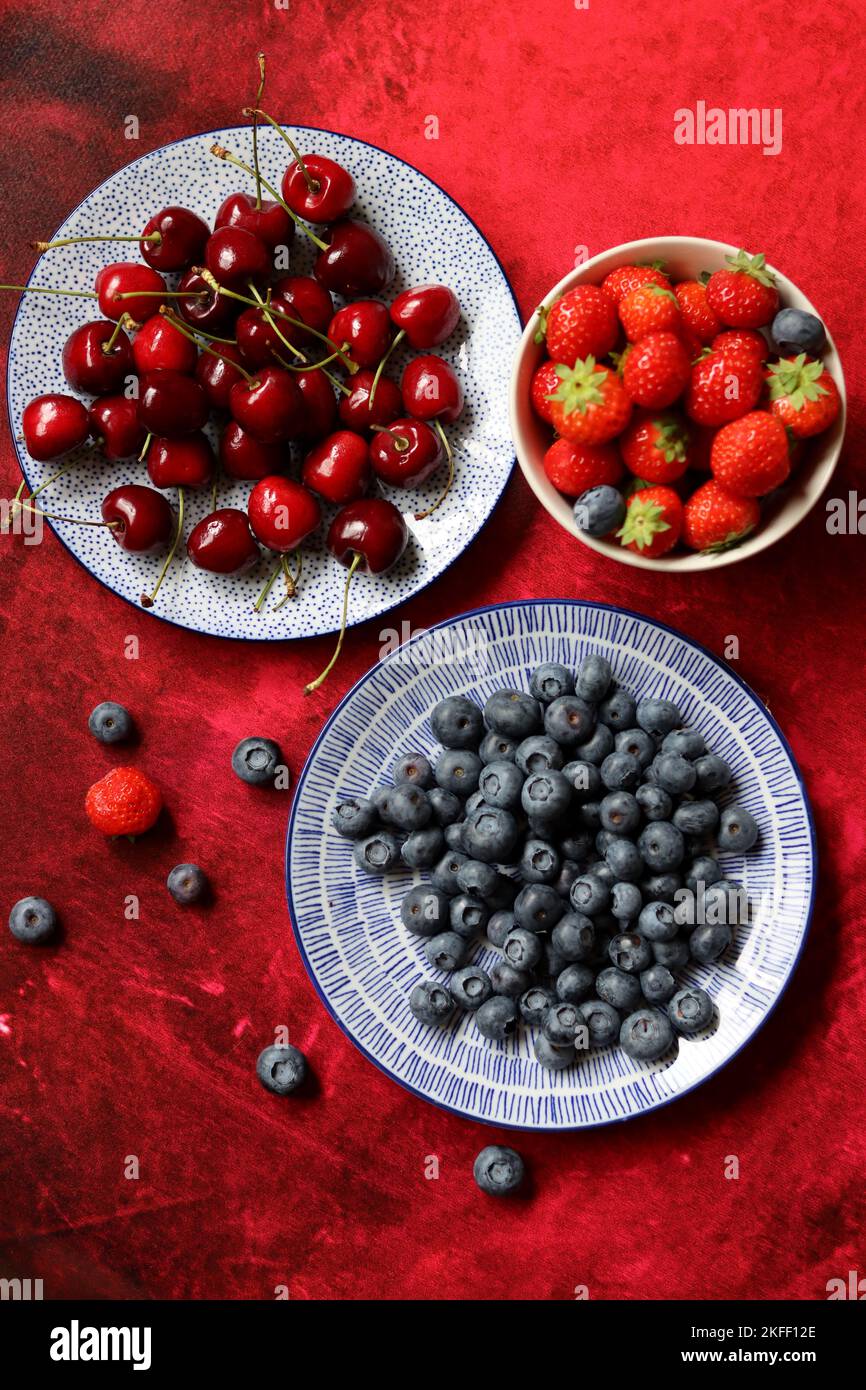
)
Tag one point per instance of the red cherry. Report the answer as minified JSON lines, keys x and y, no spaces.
{"x":431,"y":390}
{"x":171,"y":404}
{"x":325,"y":194}
{"x":320,"y":406}
{"x":159,"y":346}
{"x":258,"y":339}
{"x":357,"y":262}
{"x":304,"y":298}
{"x":372,"y":529}
{"x":270,"y":223}
{"x":222,"y":543}
{"x":217,"y":374}
{"x":242,"y":456}
{"x":355,"y":408}
{"x":202,"y":306}
{"x":427,"y":315}
{"x":234,"y":257}
{"x":52,"y":425}
{"x":406,"y":453}
{"x":88,"y":367}
{"x":282,"y":513}
{"x":270,"y":407}
{"x":365,"y":327}
{"x":182,"y":235}
{"x":338,"y":468}
{"x":185,"y":462}
{"x":146,"y":520}
{"x":115,"y":424}
{"x":128,"y":277}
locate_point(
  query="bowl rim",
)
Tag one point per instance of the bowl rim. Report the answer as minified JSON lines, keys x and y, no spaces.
{"x":690,"y":562}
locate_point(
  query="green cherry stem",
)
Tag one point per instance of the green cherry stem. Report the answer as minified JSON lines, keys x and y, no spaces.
{"x":205,"y":346}
{"x":222,"y":153}
{"x":292,"y":580}
{"x":144,"y":448}
{"x":420,"y":516}
{"x":75,"y":520}
{"x":269,"y":584}
{"x":401,"y":443}
{"x":260,"y":59}
{"x":147,"y":600}
{"x":381,"y":367}
{"x":259,"y":303}
{"x":42,"y":486}
{"x":155,"y":237}
{"x":41,"y":289}
{"x":314,"y":685}
{"x":157,"y":294}
{"x":312,"y":184}
{"x":124,"y":322}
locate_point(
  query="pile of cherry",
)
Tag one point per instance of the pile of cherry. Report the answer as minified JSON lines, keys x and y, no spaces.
{"x":275,"y":362}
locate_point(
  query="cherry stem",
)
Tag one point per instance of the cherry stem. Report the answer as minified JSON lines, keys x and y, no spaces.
{"x":260,"y":58}
{"x":147,"y":600}
{"x":155,"y":237}
{"x":144,"y":448}
{"x":381,"y":367}
{"x":40,"y":289}
{"x":259,"y":303}
{"x":312,"y":184}
{"x":401,"y":443}
{"x":195,"y":337}
{"x":156,"y":294}
{"x":124,"y":322}
{"x":271,"y":581}
{"x":308,"y":366}
{"x":42,"y":486}
{"x":314,"y":685}
{"x":74,"y":520}
{"x":420,"y":516}
{"x":239,"y":164}
{"x":292,"y":580}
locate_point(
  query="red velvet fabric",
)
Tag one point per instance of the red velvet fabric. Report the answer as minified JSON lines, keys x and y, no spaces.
{"x":140,"y":1037}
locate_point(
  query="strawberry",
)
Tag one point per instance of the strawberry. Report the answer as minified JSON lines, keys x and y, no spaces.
{"x":625,"y":278}
{"x":723,"y":387}
{"x":750,"y":456}
{"x":574,"y":468}
{"x":744,"y":296}
{"x":803,"y":395}
{"x":589,"y":406}
{"x":649,"y":309}
{"x":734,"y":342}
{"x":656,"y":447}
{"x":582,"y":323}
{"x":544,"y":383}
{"x":655,"y":370}
{"x":123,"y":802}
{"x":698,"y":317}
{"x":653,"y":521}
{"x":715,"y":519}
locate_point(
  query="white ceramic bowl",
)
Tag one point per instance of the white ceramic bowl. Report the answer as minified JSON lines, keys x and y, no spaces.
{"x":684,"y":258}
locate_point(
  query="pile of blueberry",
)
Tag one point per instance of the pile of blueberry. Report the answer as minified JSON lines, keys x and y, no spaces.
{"x":576,"y":828}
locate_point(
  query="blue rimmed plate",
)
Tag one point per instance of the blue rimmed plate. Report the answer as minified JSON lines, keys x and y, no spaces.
{"x":364,"y":963}
{"x":432,"y":239}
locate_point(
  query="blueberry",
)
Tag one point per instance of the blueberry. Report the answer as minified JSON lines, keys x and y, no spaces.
{"x":404,"y":807}
{"x":794,"y":331}
{"x":689,"y":742}
{"x":577,"y":846}
{"x":690,"y":1010}
{"x":568,"y":872}
{"x":646,"y":1035}
{"x":673,"y":773}
{"x":696,"y":817}
{"x":584,"y":779}
{"x":499,"y":927}
{"x":624,"y":859}
{"x":702,"y":870}
{"x":473,"y":802}
{"x":281,"y":1069}
{"x":553,"y":1056}
{"x":538,"y":753}
{"x":638,"y":744}
{"x":498,"y":1171}
{"x":560,"y":1022}
{"x":32,"y":920}
{"x":110,"y":723}
{"x":590,"y":894}
{"x":500,"y":784}
{"x":575,"y":983}
{"x":187,"y":883}
{"x":415,"y":769}
{"x":657,"y":922}
{"x":354,"y":817}
{"x":424,"y":910}
{"x":554,"y":963}
{"x":512,"y":713}
{"x":546,"y":795}
{"x":599,"y":511}
{"x":468,"y":915}
{"x":629,"y":952}
{"x":496,"y":748}
{"x":430,"y":1002}
{"x":707,"y":943}
{"x":625,"y":901}
{"x":618,"y":989}
{"x":597,"y":746}
{"x":255,"y":760}
{"x":453,"y":836}
{"x":457,"y":723}
{"x":534,"y":1003}
{"x":658,"y":717}
{"x":654,"y":802}
{"x":593,"y":678}
{"x":447,"y":951}
{"x":620,"y":812}
{"x":662,"y":887}
{"x":570,"y":720}
{"x":601,"y":1021}
{"x":658,"y":984}
{"x":458,"y":770}
{"x":617,"y":711}
{"x":379,"y":853}
{"x":620,"y":772}
{"x":477,"y":879}
{"x":490,"y":834}
{"x":470,"y":987}
{"x":444,"y":875}
{"x":538,"y":907}
{"x":497,"y":1017}
{"x":550,"y":681}
{"x":662,"y":846}
{"x":522,"y":949}
{"x":539,"y":862}
{"x":738,"y":830}
{"x":588,"y":816}
{"x":713,"y":775}
{"x":574,"y":936}
{"x":423,"y":848}
{"x":673,"y":954}
{"x":447,"y":808}
{"x":508,"y":979}
{"x":602,"y":871}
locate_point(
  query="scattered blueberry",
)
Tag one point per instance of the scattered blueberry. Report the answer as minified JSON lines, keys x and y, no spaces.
{"x":413,"y":768}
{"x":590,"y":894}
{"x":690,"y":1010}
{"x":560,"y":1022}
{"x":638,"y":744}
{"x":501,"y":783}
{"x":512,"y":713}
{"x":703,"y":870}
{"x":447,"y":808}
{"x":574,"y":937}
{"x":32,"y":920}
{"x":522,"y":949}
{"x":453,"y":835}
{"x":629,"y":952}
{"x":447,"y":951}
{"x":498,"y":1171}
{"x":281,"y":1069}
{"x":478,"y":879}
{"x":599,"y":511}
{"x":620,"y":772}
{"x":689,"y":742}
{"x":499,"y":927}
{"x":468,"y":915}
{"x":430,"y":1002}
{"x":538,"y":753}
{"x":656,"y":922}
{"x":553,"y":1056}
{"x":457,"y":723}
{"x":507,"y":979}
{"x":546,"y":795}
{"x":654,"y":802}
{"x":534,"y":1004}
{"x":713,"y":775}
{"x":354,"y":817}
{"x":593,"y":678}
{"x":674,"y":954}
{"x":548,"y":682}
{"x":497,"y":1018}
{"x":624,"y":860}
{"x":405,"y":807}
{"x":490,"y":834}
{"x":602,"y":1022}
{"x":423,"y":848}
{"x":617,"y":988}
{"x":696,"y":817}
{"x":618,"y":710}
{"x":658,"y":984}
{"x":424,"y":910}
{"x":470,"y":987}
{"x":662,"y":846}
{"x":458,"y":770}
{"x":496,"y":748}
{"x":738,"y":830}
{"x":620,"y":812}
{"x":673,"y":773}
{"x":658,"y":717}
{"x":597,"y":746}
{"x":646,"y":1035}
{"x":110,"y":723}
{"x":256,"y":760}
{"x":625,"y":901}
{"x":794,"y":331}
{"x":569,"y":720}
{"x":538,"y":907}
{"x":379,"y":853}
{"x":707,"y":943}
{"x":575,"y":983}
{"x":187,"y":883}
{"x":539,"y":862}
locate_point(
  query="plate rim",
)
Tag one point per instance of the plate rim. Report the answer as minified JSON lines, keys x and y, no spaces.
{"x":153,"y":612}
{"x":554,"y":603}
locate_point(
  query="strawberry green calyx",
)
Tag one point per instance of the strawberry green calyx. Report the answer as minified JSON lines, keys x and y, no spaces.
{"x":704,"y":277}
{"x":754,"y":266}
{"x":542,"y":311}
{"x":730,"y":542}
{"x":798,"y":380}
{"x":644,"y":521}
{"x":663,"y":290}
{"x":580,"y":385}
{"x":673,"y":439}
{"x":652,"y":265}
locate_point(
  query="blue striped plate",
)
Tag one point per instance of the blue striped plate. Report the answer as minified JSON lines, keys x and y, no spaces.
{"x":364,"y":963}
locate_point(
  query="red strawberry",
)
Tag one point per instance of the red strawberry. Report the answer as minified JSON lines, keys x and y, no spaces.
{"x":723,"y":387}
{"x":803,"y":395}
{"x":750,"y":456}
{"x":573,"y":468}
{"x":123,"y":802}
{"x":715,"y":519}
{"x":656,"y":370}
{"x":625,"y":278}
{"x":582,"y":323}
{"x":698,"y":317}
{"x":544,"y":383}
{"x":649,"y":309}
{"x":734,"y":342}
{"x":589,"y":406}
{"x":656,"y":447}
{"x":653,"y":521}
{"x":744,"y":296}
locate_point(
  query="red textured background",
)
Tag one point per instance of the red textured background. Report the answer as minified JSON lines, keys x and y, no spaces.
{"x":556,"y":130}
